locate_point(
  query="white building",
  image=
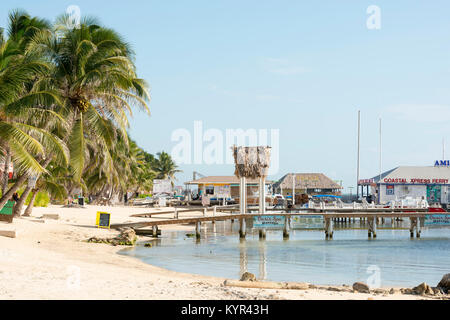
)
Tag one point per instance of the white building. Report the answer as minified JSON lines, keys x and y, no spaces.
{"x":432,"y":183}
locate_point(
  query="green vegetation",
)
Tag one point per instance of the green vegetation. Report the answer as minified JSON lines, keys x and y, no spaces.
{"x":66,"y":95}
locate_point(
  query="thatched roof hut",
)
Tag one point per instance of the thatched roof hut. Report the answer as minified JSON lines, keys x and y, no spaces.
{"x":251,"y":162}
{"x":307,"y":181}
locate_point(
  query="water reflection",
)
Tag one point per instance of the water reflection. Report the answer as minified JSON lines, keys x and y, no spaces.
{"x":306,"y":256}
{"x":262,"y":261}
{"x":243,"y":262}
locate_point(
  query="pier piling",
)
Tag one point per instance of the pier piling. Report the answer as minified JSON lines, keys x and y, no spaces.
{"x":262,"y":233}
{"x":286,"y":228}
{"x":372,"y":227}
{"x":418,"y":227}
{"x":414,"y":224}
{"x":328,"y":228}
{"x":242,"y":228}
{"x":155,"y":231}
{"x":198,"y":227}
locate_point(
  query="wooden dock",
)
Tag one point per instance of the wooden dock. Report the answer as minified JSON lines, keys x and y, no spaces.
{"x":370,"y":216}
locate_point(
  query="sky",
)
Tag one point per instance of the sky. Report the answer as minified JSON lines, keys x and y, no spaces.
{"x":303,"y":68}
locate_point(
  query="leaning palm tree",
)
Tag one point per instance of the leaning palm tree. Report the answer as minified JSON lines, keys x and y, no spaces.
{"x":22,"y":97}
{"x":96,"y":79}
{"x":50,"y":182}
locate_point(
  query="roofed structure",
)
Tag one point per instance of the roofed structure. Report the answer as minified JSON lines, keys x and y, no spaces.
{"x":306,"y":181}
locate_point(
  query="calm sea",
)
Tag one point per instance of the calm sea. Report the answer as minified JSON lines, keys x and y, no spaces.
{"x":392,"y":258}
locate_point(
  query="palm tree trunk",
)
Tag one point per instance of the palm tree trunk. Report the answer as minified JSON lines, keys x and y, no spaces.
{"x":28,"y":210}
{"x":13,"y":189}
{"x":5,"y":177}
{"x":19,"y":205}
{"x":5,"y":197}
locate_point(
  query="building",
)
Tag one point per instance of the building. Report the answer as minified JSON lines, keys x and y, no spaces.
{"x":306,"y":183}
{"x":428,"y":182}
{"x":227,"y":187}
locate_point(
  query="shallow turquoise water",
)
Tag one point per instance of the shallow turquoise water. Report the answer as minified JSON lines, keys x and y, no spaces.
{"x":396,"y":259}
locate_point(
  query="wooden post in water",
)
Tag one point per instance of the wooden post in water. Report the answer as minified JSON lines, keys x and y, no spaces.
{"x":214,"y":214}
{"x":155,"y":231}
{"x":328,"y":228}
{"x":286,"y":228}
{"x":197,"y":229}
{"x":242,"y":228}
{"x":262,"y":233}
{"x":418,"y":227}
{"x":412,"y":226}
{"x":374,"y":226}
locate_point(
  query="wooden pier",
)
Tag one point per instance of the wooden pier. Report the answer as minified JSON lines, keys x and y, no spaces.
{"x":370,"y":217}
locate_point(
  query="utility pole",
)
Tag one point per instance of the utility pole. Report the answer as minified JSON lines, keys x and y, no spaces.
{"x":380,"y":150}
{"x":357,"y":166}
{"x":293,"y":189}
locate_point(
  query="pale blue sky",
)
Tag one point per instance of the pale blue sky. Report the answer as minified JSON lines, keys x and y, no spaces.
{"x":303,"y":67}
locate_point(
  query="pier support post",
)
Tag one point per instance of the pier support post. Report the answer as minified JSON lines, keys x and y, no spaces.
{"x":242,"y":228}
{"x":243,"y":196}
{"x":155,"y":231}
{"x":328,"y":228}
{"x":262,"y":195}
{"x":262,"y":233}
{"x":197,"y":229}
{"x":372,"y":227}
{"x":413,"y":225}
{"x":286,"y":228}
{"x":419,"y":226}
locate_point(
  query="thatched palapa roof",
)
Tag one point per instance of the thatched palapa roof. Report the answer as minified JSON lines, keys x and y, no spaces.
{"x":251,"y":162}
{"x":307,"y":181}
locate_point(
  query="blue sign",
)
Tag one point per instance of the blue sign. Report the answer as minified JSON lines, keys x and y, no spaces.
{"x":268,"y":222}
{"x":442,"y":163}
{"x":307,"y":222}
{"x":437,"y":220}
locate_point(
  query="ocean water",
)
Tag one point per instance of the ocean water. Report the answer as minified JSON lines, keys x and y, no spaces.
{"x":392,"y":259}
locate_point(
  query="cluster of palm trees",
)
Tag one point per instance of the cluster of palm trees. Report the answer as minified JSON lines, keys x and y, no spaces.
{"x":66,"y":94}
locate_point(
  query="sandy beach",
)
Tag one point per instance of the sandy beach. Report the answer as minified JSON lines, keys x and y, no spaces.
{"x":52,"y":260}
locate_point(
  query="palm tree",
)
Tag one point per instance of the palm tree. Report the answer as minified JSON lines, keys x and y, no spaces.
{"x":52,"y":183}
{"x":75,"y":87}
{"x":23,"y":98}
{"x":165,"y":167}
{"x":96,"y":79}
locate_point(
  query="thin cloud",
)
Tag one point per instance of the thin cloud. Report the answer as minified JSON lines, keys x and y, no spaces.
{"x":282,"y":67}
{"x":423,"y":113}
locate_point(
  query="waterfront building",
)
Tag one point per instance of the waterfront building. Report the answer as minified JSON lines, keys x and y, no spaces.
{"x":227,"y":187}
{"x":306,"y":183}
{"x":428,"y":182}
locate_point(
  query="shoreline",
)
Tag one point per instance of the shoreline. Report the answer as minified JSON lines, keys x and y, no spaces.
{"x":54,"y":255}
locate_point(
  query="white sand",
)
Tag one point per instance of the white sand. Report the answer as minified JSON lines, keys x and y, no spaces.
{"x":45,"y":261}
